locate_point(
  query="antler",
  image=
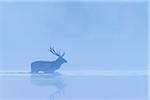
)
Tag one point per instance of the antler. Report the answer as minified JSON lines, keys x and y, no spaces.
{"x":56,"y":52}
{"x":63,"y":54}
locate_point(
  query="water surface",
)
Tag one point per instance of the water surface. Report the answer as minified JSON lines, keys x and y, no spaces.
{"x":83,"y":86}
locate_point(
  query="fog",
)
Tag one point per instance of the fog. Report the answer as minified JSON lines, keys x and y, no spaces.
{"x":94,"y":35}
{"x":105,"y":45}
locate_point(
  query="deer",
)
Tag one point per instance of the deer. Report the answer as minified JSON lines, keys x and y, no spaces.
{"x":49,"y":66}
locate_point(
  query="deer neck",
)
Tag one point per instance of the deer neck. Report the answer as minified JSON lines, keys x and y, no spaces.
{"x":59,"y":62}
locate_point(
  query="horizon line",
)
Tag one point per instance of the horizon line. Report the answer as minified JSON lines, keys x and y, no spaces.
{"x":83,"y":73}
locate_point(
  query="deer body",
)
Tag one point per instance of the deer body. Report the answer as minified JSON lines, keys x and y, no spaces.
{"x":48,"y":66}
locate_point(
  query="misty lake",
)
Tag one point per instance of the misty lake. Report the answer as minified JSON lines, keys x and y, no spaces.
{"x":75,"y":86}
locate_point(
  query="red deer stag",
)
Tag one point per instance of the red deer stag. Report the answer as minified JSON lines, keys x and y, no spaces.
{"x":49,"y":66}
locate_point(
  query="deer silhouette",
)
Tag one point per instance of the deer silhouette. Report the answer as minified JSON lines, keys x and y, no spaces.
{"x":49,"y":66}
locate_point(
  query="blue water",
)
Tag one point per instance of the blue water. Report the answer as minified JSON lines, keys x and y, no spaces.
{"x":76,"y":86}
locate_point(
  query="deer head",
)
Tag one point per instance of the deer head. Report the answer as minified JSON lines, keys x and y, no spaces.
{"x":58,"y":54}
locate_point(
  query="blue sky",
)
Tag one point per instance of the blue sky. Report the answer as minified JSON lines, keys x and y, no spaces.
{"x":94,"y":35}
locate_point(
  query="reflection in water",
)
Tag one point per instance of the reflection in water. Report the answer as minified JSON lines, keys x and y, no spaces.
{"x":54,"y":80}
